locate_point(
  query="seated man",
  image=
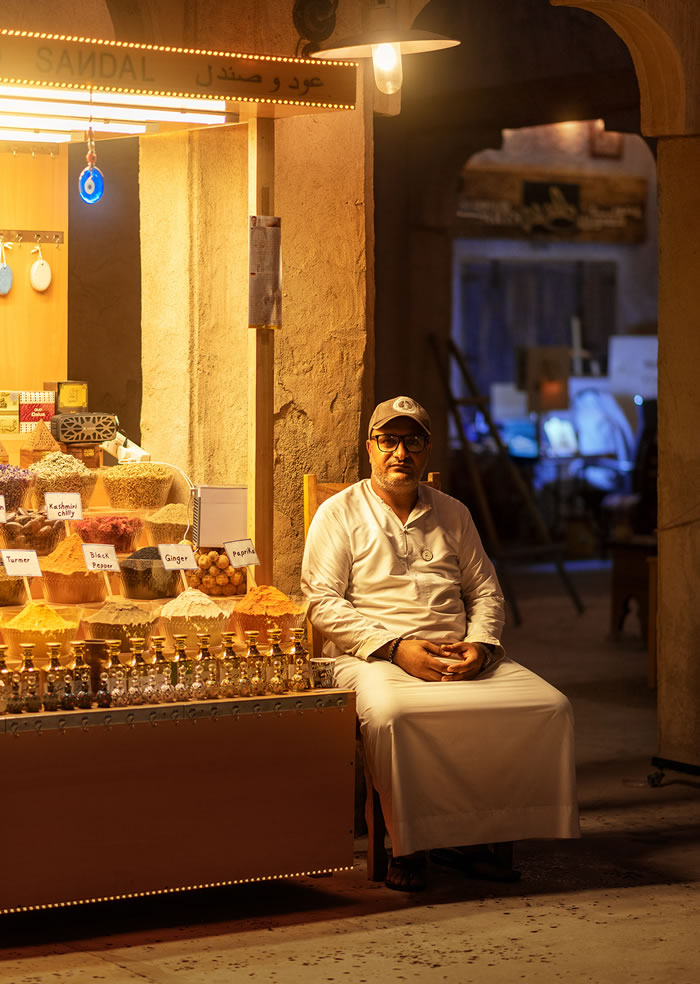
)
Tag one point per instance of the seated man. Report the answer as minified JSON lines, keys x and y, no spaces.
{"x":465,"y":746}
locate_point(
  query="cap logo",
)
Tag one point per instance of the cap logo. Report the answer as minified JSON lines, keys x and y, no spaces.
{"x":403,"y":403}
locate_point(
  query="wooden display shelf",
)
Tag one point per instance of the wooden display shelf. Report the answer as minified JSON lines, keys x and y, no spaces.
{"x":121,"y":802}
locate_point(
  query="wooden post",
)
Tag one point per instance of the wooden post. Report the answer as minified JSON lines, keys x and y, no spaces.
{"x":261,"y":364}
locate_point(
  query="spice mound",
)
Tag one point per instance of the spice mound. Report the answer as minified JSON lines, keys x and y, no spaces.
{"x":66,"y":579}
{"x":192,"y":602}
{"x":15,"y":484}
{"x":11,"y":589}
{"x":265,"y":608}
{"x":144,"y":576}
{"x":38,"y":617}
{"x":169,"y":524}
{"x":121,"y":531}
{"x":67,"y":558}
{"x":140,"y":484}
{"x":58,"y":472}
{"x":119,"y":619}
{"x":266,"y":600}
{"x":190,"y":613}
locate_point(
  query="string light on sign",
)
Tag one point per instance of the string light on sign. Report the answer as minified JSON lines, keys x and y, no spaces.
{"x":91,"y":181}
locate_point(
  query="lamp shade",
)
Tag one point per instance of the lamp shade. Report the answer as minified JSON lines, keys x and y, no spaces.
{"x":410,"y":41}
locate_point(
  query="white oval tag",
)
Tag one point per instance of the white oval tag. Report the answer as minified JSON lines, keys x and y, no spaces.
{"x":40,"y":275}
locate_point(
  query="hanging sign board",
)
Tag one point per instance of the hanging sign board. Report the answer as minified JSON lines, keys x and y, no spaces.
{"x":28,"y":58}
{"x":265,"y":272}
{"x":564,"y":206}
{"x":241,"y":553}
{"x":100,"y":557}
{"x":21,"y":563}
{"x":63,"y":505}
{"x":177,"y":557}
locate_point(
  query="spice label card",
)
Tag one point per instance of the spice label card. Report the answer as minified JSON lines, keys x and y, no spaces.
{"x":177,"y":557}
{"x":21,"y":563}
{"x":64,"y":505}
{"x":3,"y":514}
{"x":241,"y":553}
{"x":101,"y":557}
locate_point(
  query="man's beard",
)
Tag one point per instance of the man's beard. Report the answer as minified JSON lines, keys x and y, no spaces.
{"x":406,"y":483}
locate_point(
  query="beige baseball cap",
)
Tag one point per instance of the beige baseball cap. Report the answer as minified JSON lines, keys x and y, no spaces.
{"x":399,"y":406}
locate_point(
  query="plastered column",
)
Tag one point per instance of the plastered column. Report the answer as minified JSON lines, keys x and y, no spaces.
{"x":679,"y":449}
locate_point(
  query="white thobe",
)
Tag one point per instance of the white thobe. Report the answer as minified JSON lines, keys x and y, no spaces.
{"x":455,"y":763}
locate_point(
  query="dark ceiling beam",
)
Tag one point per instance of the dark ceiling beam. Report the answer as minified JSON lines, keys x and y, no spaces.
{"x":132,"y":20}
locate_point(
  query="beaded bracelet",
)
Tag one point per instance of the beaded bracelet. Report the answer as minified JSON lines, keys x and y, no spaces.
{"x":393,"y":647}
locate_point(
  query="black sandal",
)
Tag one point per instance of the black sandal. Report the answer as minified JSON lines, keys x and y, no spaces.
{"x":480,"y":863}
{"x":412,"y":868}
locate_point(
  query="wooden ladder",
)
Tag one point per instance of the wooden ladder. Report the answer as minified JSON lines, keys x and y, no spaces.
{"x":546,"y":548}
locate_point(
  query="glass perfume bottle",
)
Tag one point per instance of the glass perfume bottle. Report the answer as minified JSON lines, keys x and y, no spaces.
{"x":209,"y":665}
{"x":15,"y":703}
{"x":116,"y":674}
{"x":81,"y":677}
{"x":182,"y":669}
{"x":298,"y":663}
{"x":54,"y":671}
{"x":229,"y":669}
{"x":5,"y":681}
{"x":138,"y":671}
{"x":29,"y":678}
{"x":162,"y":671}
{"x":51,"y":698}
{"x":67,"y":697}
{"x":246,"y":665}
{"x":276,"y":664}
{"x":103,"y":698}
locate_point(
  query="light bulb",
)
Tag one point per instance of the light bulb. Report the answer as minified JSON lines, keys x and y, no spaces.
{"x":388,"y":71}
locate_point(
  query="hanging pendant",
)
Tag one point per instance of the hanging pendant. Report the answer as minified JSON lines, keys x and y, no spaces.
{"x":39,"y":272}
{"x":91,"y":181}
{"x":5,"y":271}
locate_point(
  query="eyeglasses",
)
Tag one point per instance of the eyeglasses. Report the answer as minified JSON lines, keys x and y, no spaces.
{"x":414,"y":443}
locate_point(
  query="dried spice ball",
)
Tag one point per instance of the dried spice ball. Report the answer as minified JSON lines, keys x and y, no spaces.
{"x":138,"y":485}
{"x":15,"y":485}
{"x":144,"y":576}
{"x":169,"y":524}
{"x":121,"y":531}
{"x":58,"y":472}
{"x":216,"y":576}
{"x":29,"y":529}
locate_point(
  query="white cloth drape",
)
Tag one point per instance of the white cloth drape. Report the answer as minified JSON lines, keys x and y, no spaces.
{"x":471,"y":762}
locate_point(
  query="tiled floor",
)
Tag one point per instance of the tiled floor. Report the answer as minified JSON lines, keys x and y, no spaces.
{"x":620,"y":904}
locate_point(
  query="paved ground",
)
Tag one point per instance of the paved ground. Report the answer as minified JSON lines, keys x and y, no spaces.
{"x":620,"y":904}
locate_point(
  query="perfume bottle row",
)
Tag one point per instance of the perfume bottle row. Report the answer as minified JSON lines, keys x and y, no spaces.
{"x":200,"y":676}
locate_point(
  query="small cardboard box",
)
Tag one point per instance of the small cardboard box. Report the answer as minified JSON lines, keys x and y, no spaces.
{"x":9,"y":412}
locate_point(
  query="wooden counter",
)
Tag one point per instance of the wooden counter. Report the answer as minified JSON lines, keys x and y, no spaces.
{"x":121,"y":802}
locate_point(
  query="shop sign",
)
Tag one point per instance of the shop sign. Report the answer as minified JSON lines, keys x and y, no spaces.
{"x":556,"y":206}
{"x":177,"y":557}
{"x":101,"y":557}
{"x":63,"y":505}
{"x":28,"y":58}
{"x":3,"y":514}
{"x":241,"y":553}
{"x":21,"y":563}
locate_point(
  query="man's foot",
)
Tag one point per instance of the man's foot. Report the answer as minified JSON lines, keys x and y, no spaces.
{"x":407,"y":873}
{"x":476,"y":861}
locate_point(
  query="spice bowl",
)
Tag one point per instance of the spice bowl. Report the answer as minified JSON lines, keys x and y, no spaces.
{"x":190,"y":626}
{"x":148,"y":580}
{"x":70,"y":482}
{"x":39,"y":639}
{"x":74,"y":589}
{"x":120,"y":530}
{"x":16,"y":485}
{"x":137,"y":485}
{"x":29,"y":529}
{"x":100,"y":631}
{"x":243,"y":622}
{"x":11,"y":589}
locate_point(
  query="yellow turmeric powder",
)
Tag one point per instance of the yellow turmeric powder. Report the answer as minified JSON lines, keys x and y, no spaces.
{"x":67,"y":558}
{"x":39,"y":617}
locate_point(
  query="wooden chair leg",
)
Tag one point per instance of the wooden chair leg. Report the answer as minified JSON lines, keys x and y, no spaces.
{"x":377,"y":862}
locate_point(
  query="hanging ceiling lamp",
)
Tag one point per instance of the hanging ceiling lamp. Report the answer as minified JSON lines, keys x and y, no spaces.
{"x":385,"y":43}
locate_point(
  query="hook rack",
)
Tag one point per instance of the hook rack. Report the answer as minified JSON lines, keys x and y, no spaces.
{"x":34,"y":236}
